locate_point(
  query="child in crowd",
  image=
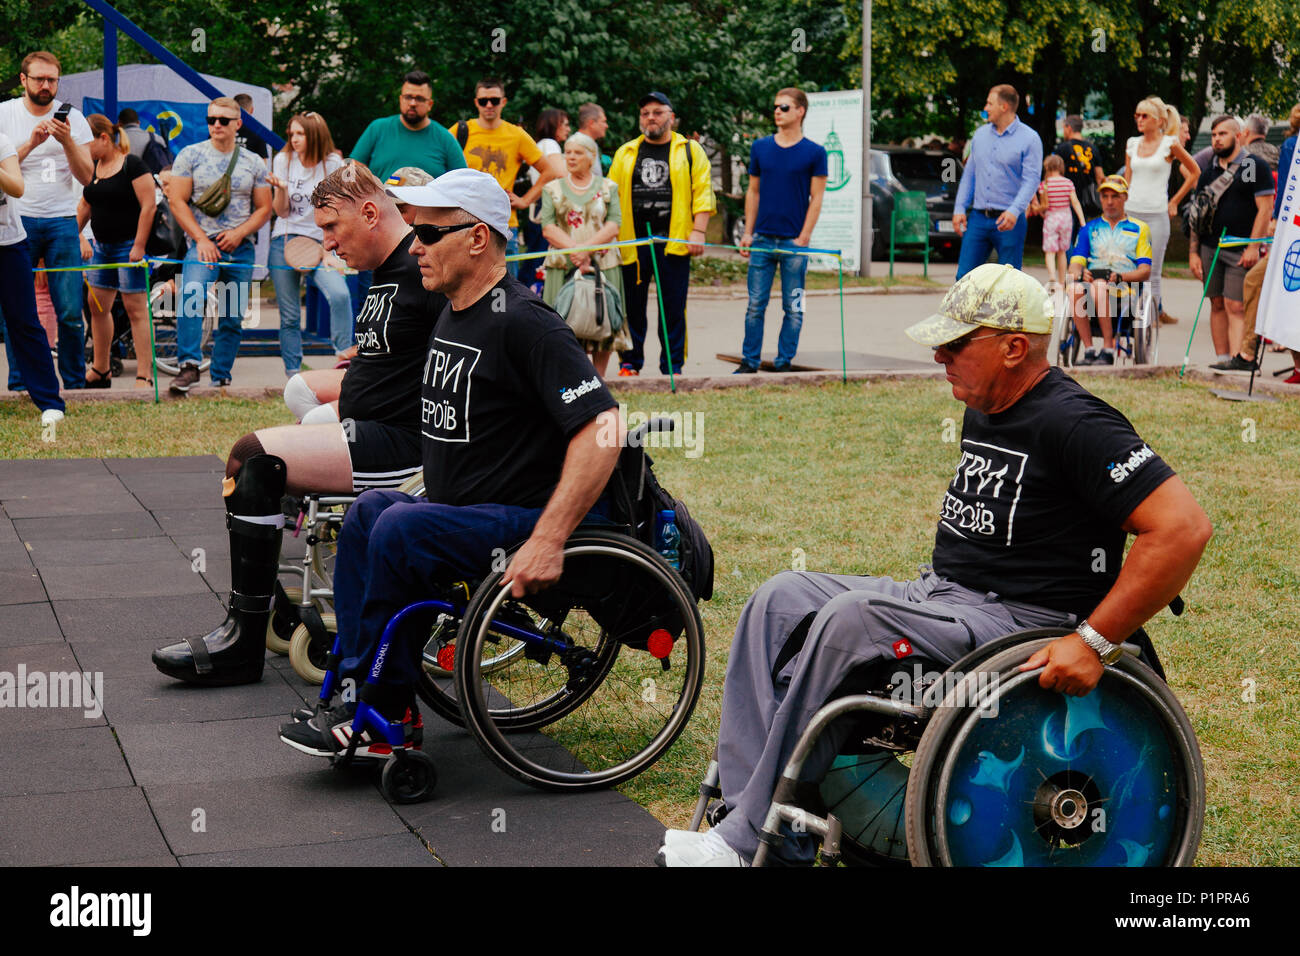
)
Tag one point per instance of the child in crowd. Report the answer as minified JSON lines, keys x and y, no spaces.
{"x":1059,"y":195}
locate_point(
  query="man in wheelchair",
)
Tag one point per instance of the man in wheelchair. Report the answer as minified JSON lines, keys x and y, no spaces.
{"x":1112,"y":252}
{"x":371,"y":441}
{"x":1031,"y":534}
{"x":511,"y":415}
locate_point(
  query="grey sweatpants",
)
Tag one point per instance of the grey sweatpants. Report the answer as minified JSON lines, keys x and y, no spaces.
{"x":858,"y":620}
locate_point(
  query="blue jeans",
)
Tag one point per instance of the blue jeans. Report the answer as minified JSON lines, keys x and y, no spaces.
{"x":55,"y":241}
{"x":25,"y":341}
{"x":288,"y":283}
{"x":982,"y":237}
{"x":234,"y":271}
{"x":763,"y":264}
{"x":512,"y":249}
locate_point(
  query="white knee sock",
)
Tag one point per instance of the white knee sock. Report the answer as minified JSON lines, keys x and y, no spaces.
{"x":321,"y":415}
{"x":300,"y":398}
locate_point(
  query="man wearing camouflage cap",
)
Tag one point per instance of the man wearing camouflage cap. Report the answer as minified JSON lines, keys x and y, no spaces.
{"x":1031,"y":534}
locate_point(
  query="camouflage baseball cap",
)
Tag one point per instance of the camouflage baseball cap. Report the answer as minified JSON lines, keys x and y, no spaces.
{"x":995,"y":296}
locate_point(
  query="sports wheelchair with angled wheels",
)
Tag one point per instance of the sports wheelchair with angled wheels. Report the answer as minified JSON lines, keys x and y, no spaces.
{"x":976,"y":765}
{"x":1136,"y":319}
{"x":581,"y":686}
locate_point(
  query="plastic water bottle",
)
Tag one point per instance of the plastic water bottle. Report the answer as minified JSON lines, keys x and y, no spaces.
{"x":667,"y":538}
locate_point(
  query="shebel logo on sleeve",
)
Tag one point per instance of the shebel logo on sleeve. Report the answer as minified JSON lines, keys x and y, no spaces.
{"x":1122,"y":469}
{"x":571,"y":395}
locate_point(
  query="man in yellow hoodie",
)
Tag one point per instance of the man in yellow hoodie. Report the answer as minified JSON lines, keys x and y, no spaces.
{"x":665,"y":187}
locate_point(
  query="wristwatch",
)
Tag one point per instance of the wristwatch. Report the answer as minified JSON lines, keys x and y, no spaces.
{"x":1108,"y":651}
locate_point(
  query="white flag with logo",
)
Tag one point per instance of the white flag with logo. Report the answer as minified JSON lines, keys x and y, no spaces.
{"x":1279,"y":302}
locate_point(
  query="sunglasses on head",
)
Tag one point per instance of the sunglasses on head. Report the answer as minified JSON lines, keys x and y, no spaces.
{"x":489,"y":101}
{"x":783,"y":107}
{"x":222,"y":120}
{"x":429,"y":234}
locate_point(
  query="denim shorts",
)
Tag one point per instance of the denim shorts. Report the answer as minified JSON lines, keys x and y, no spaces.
{"x":128,"y":280}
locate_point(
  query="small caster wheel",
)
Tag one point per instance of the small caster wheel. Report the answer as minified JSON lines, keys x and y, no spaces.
{"x":279,"y":631}
{"x":409,"y":777}
{"x":716,"y":811}
{"x":307,"y":654}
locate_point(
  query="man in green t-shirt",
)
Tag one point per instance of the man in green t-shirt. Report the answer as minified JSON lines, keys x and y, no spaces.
{"x":410,"y":138}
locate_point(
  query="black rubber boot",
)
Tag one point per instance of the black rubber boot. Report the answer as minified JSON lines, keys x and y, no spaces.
{"x":235,"y":652}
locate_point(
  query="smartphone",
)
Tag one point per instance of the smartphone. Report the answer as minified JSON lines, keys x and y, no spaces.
{"x":61,"y":114}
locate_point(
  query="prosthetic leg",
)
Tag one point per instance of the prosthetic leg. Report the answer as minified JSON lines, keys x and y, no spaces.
{"x":235,"y":652}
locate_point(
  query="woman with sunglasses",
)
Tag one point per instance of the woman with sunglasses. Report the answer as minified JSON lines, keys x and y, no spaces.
{"x":119,"y":204}
{"x":1147,"y":159}
{"x":308,"y":157}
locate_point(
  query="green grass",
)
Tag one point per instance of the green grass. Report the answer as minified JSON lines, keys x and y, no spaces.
{"x":851,"y":476}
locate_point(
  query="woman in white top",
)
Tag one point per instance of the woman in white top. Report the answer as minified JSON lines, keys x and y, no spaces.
{"x":1146,"y":167}
{"x":307,"y":158}
{"x":28,"y":343}
{"x":552,"y":131}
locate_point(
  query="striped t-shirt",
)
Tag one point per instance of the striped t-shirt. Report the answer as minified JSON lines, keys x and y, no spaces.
{"x":1059,"y":190}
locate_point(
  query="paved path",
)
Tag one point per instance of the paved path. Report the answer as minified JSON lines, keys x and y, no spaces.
{"x":96,"y":571}
{"x":873,"y":331}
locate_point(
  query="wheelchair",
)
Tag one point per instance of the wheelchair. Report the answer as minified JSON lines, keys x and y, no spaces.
{"x":581,"y":686}
{"x":1136,"y":319}
{"x":302,"y":618}
{"x":976,"y":765}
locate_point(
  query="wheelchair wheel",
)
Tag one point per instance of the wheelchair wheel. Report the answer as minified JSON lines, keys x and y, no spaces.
{"x":279,"y":632}
{"x":164,"y":329}
{"x":609,"y":671}
{"x":409,"y":778}
{"x":307,"y":655}
{"x":1065,"y":338}
{"x":1008,"y":774}
{"x":1146,"y":333}
{"x":866,"y":792}
{"x":437,"y":685}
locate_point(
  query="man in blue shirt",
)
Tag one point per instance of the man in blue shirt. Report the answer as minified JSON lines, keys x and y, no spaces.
{"x":1006,"y":160}
{"x":787,"y":179}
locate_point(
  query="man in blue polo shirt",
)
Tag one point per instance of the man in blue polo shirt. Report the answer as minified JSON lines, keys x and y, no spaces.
{"x":1006,"y":160}
{"x":787,"y":179}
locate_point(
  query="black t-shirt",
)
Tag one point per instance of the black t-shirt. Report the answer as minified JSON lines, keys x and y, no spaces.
{"x":114,"y":208}
{"x":1080,"y":156}
{"x":1236,"y":209}
{"x":652,"y":190}
{"x":252,"y":142}
{"x":506,"y":385}
{"x":392,"y":329}
{"x":1036,"y":507}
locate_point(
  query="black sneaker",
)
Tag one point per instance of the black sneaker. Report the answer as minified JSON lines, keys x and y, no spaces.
{"x":1234,"y":364}
{"x":743,"y":369}
{"x":1107,"y":357}
{"x":187,"y":379}
{"x":328,"y":733}
{"x":1089,"y":358}
{"x":781,"y":367}
{"x":220,"y":382}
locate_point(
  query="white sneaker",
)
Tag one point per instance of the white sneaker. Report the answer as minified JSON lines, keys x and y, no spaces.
{"x":708,"y":850}
{"x":683,"y":837}
{"x":51,"y":416}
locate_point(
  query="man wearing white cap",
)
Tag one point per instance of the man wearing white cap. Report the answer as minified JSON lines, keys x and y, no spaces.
{"x":510,"y":414}
{"x":1033,"y":501}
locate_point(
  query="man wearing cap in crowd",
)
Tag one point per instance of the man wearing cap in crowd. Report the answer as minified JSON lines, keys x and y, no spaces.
{"x":1033,"y":501}
{"x":510,"y":414}
{"x":1110,"y":251}
{"x":665,"y":186}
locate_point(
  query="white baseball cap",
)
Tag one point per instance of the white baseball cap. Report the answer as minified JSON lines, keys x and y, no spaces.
{"x":475,"y":192}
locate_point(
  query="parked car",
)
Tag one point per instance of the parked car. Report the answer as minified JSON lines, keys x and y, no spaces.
{"x":895,"y":169}
{"x":935,"y":172}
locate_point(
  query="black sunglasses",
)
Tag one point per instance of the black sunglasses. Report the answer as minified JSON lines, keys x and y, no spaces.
{"x":957,"y":345}
{"x":223,"y":120}
{"x":783,"y":107}
{"x":429,"y":234}
{"x":489,"y":100}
